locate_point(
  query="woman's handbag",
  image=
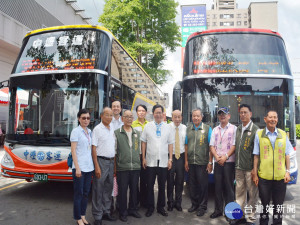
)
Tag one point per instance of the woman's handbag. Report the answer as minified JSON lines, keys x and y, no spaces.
{"x":70,"y":160}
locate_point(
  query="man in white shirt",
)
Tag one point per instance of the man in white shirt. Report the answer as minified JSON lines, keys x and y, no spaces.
{"x":179,"y":132}
{"x":116,"y":120}
{"x":157,"y":141}
{"x":103,"y":153}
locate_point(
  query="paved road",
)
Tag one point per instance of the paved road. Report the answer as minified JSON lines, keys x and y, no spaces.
{"x":51,"y":204}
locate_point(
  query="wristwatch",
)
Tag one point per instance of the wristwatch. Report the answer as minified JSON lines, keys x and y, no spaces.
{"x":171,"y":160}
{"x":227,"y":157}
{"x":288,"y":171}
{"x":210,"y":163}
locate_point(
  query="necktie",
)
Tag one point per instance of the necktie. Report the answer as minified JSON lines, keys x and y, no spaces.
{"x":177,"y":145}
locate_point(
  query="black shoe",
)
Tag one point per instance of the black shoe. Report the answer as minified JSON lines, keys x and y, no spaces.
{"x":178,"y":207}
{"x":149,"y":212}
{"x":238,"y":221}
{"x":201,"y":212}
{"x":98,"y":222}
{"x":215,"y":215}
{"x":135,"y":214}
{"x":162,"y":211}
{"x":108,"y":217}
{"x":87,"y":223}
{"x":123,"y":218}
{"x":250,"y":223}
{"x":193,"y":208}
{"x":170,"y":208}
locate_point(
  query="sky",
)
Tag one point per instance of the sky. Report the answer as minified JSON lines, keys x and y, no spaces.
{"x":288,"y":27}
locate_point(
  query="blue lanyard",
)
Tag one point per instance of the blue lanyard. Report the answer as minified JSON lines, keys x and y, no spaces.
{"x":158,"y":129}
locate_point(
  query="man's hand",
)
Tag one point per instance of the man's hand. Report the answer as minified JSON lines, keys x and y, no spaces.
{"x":255,"y":178}
{"x":169,"y":164}
{"x":186,"y":166}
{"x":221,"y":160}
{"x":287,"y":177}
{"x":209,"y":168}
{"x":97,"y":172}
{"x":144,"y":164}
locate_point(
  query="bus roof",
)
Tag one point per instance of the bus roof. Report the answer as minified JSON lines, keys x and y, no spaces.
{"x":234,"y":30}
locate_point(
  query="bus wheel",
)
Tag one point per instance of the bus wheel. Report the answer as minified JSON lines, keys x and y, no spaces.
{"x":29,"y":180}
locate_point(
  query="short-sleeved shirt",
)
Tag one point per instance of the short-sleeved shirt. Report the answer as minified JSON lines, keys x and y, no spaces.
{"x":272,"y":137}
{"x":182,"y":136}
{"x":83,"y":148}
{"x":157,"y":146}
{"x":138,"y":126}
{"x":212,"y":139}
{"x":116,"y":124}
{"x":103,"y":139}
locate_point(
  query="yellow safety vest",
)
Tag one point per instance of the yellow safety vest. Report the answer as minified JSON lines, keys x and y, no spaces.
{"x":272,"y":161}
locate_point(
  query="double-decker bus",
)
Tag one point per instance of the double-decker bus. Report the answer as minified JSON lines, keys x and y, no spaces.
{"x":60,"y":70}
{"x":229,"y":67}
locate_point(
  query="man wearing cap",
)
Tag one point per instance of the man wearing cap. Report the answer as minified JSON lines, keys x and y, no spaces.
{"x":198,"y":162}
{"x":271,"y":151}
{"x":244,"y":141}
{"x":176,"y":173}
{"x":222,"y":146}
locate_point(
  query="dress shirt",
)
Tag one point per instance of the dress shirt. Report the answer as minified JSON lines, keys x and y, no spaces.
{"x":103,"y":139}
{"x":83,"y":148}
{"x":272,"y":137}
{"x":116,"y":124}
{"x":182,"y":135}
{"x":157,"y":147}
{"x":212,"y":139}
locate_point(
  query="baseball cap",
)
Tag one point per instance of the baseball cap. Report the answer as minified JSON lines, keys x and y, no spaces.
{"x":224,"y":110}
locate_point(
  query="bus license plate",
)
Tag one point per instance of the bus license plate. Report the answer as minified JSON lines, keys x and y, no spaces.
{"x":40,"y":177}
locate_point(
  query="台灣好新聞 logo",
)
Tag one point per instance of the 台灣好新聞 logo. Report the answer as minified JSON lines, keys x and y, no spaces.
{"x":233,"y":211}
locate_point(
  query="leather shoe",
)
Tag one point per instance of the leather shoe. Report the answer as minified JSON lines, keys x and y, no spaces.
{"x":193,"y":208}
{"x":170,"y":208}
{"x":162,"y":211}
{"x":201,"y":212}
{"x":149,"y":213}
{"x":108,"y":217}
{"x":178,"y":207}
{"x":250,"y":223}
{"x":238,"y":221}
{"x":135,"y":214}
{"x":215,"y":215}
{"x":123,"y":218}
{"x":98,"y":222}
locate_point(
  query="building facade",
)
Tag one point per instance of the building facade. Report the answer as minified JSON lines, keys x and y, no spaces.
{"x":226,"y":14}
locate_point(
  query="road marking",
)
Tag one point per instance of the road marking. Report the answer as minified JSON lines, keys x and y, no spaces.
{"x":12,"y":185}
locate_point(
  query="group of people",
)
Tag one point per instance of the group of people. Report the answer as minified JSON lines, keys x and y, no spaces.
{"x":139,"y":152}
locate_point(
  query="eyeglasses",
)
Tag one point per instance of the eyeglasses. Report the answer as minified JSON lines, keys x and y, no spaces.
{"x":85,"y":118}
{"x":128,"y":117}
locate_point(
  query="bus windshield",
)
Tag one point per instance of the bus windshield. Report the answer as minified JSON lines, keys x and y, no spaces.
{"x":236,"y":53}
{"x":261,"y":94}
{"x":43,"y":108}
{"x":64,"y":50}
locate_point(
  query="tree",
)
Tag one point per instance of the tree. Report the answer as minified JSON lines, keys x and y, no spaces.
{"x":146,"y":28}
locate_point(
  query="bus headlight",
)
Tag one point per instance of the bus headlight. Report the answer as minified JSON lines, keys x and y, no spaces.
{"x":7,"y":161}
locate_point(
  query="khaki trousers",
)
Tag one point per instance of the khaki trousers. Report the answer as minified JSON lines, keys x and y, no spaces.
{"x":245,"y":184}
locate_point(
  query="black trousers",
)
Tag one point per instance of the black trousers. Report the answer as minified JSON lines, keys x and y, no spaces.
{"x":142,"y":196}
{"x":175,"y":179}
{"x":224,"y":188}
{"x":276,"y":190}
{"x":125,"y":179}
{"x":161,"y":174}
{"x":198,"y":185}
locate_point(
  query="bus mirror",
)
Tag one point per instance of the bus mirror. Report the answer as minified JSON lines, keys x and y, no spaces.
{"x":177,"y":96}
{"x":4,"y":83}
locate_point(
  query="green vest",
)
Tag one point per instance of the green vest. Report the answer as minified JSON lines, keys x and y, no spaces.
{"x":244,"y":147}
{"x":198,"y":146}
{"x":272,"y":161}
{"x":127,"y":158}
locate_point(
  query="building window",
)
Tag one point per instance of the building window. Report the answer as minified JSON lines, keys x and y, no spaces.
{"x":214,"y":23}
{"x":239,"y":15}
{"x":215,"y":16}
{"x":245,"y":15}
{"x":238,"y":23}
{"x":226,"y":24}
{"x":226,"y":16}
{"x":245,"y":23}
